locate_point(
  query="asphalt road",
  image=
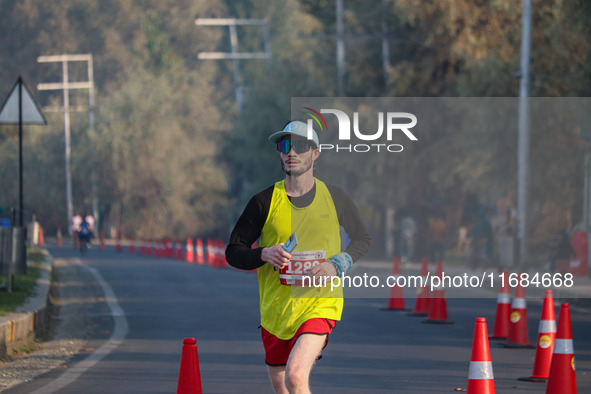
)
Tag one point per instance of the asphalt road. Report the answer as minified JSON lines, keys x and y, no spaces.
{"x":137,"y":310}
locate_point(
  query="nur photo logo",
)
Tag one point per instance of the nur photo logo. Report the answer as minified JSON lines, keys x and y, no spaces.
{"x":390,"y":124}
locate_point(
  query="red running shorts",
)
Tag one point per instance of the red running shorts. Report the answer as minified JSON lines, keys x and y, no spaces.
{"x":277,"y":350}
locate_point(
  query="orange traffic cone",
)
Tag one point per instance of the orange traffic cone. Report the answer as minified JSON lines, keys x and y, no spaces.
{"x":131,"y":245}
{"x":545,"y":346}
{"x":199,"y":251}
{"x":396,"y":300}
{"x":222,"y":249}
{"x":518,"y":334}
{"x":217,"y":253}
{"x":189,"y":250}
{"x":562,"y":379}
{"x":41,"y":240}
{"x":58,"y":240}
{"x":422,"y":301}
{"x":480,"y":375}
{"x":501,"y":324}
{"x":210,"y":255}
{"x":438,"y":304}
{"x":189,"y":381}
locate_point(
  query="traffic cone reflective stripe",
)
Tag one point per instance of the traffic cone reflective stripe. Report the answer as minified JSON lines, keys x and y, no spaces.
{"x":189,"y":381}
{"x":562,"y":379}
{"x":480,"y":370}
{"x":518,"y":332}
{"x":502,"y":315}
{"x":563,"y":346}
{"x":480,"y":374}
{"x":546,"y":339}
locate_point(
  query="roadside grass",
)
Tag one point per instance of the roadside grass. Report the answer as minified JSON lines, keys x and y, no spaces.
{"x":23,"y":285}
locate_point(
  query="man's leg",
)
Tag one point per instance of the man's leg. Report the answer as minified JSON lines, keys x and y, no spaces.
{"x":300,"y":362}
{"x":277,"y":376}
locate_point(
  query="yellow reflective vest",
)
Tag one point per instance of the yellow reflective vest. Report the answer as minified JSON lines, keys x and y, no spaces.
{"x":284,"y":308}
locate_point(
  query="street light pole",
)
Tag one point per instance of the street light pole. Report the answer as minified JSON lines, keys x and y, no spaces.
{"x":66,"y":86}
{"x":235,"y":54}
{"x":94,"y":191}
{"x":68,"y":149}
{"x":523,"y":140}
{"x":340,"y":10}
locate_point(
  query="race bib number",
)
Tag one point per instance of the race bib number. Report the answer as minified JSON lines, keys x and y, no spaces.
{"x":301,"y":262}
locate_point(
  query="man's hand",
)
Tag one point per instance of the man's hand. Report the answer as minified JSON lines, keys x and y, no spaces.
{"x":276,"y":256}
{"x":322,"y":270}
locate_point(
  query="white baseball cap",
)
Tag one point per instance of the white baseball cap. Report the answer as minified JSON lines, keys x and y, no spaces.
{"x":295,"y":128}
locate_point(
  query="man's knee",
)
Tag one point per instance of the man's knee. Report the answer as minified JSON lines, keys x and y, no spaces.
{"x":277,"y":376}
{"x":296,"y":377}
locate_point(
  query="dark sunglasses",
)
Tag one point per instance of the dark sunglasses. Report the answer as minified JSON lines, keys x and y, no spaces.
{"x":298,"y":146}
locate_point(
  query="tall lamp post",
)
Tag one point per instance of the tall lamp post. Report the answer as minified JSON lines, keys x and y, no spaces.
{"x":66,"y":86}
{"x":235,"y":54}
{"x":523,"y":139}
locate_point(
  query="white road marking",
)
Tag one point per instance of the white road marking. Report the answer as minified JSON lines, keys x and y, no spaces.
{"x":119,"y":333}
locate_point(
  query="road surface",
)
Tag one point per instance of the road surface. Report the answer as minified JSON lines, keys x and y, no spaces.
{"x":136,"y":310}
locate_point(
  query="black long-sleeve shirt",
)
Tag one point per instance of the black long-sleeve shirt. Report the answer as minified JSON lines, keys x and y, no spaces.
{"x":248,"y":229}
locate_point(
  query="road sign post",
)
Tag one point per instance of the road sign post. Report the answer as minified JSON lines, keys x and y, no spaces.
{"x":20,"y":108}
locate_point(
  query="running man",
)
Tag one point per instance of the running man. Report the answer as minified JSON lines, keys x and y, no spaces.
{"x":294,"y":327}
